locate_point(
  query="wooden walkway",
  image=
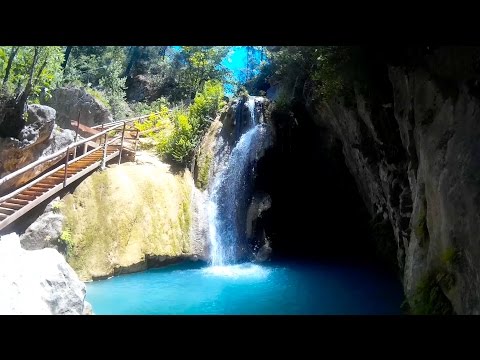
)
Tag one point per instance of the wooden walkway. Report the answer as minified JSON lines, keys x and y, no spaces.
{"x":115,"y":139}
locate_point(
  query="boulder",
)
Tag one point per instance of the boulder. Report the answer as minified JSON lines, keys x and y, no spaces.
{"x":38,"y":282}
{"x":69,"y":101}
{"x":39,"y":138}
{"x":46,"y":230}
{"x":12,"y":111}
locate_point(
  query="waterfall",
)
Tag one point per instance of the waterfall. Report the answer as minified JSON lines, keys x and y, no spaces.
{"x":230,"y":191}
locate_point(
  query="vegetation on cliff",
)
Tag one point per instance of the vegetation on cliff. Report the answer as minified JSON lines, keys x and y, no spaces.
{"x":183,"y":127}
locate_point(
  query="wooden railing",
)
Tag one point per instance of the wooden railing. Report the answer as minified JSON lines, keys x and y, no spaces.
{"x":103,"y":142}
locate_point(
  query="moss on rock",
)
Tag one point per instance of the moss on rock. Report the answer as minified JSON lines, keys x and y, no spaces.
{"x":429,"y":298}
{"x":121,"y":215}
{"x":205,"y":155}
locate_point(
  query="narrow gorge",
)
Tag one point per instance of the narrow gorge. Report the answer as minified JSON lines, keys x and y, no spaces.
{"x":332,"y":180}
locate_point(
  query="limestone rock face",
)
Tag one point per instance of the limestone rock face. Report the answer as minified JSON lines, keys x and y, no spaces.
{"x":128,"y":218}
{"x":417,"y":166}
{"x":39,"y":138}
{"x":37,"y":282}
{"x":69,"y":101}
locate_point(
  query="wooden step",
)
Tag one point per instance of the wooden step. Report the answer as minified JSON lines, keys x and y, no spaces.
{"x":49,"y":182}
{"x":41,"y":184}
{"x":18,"y":201}
{"x":25,"y":197}
{"x":37,"y":189}
{"x":7,"y":204}
{"x":81,"y":163}
{"x":34,"y":192}
{"x":86,"y":158}
{"x":5,"y":210}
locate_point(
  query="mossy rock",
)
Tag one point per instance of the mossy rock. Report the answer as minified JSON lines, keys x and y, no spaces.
{"x":115,"y":217}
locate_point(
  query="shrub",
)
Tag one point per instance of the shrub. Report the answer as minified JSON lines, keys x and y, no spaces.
{"x":182,"y":128}
{"x":56,"y":207}
{"x":67,"y":238}
{"x":99,"y":96}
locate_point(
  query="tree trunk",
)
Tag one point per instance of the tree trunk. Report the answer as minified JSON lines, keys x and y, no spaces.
{"x":28,"y":88}
{"x":132,"y":61}
{"x":68,"y":50}
{"x":39,"y":72}
{"x":163,"y":50}
{"x":9,"y":64}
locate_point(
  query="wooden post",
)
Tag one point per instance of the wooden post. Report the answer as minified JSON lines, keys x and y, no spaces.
{"x":66,"y":166}
{"x":121,"y":143}
{"x":136,"y":143}
{"x":100,"y":139}
{"x":104,"y":153}
{"x":78,"y":126}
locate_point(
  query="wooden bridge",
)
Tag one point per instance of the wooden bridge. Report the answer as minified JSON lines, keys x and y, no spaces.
{"x":107,"y":142}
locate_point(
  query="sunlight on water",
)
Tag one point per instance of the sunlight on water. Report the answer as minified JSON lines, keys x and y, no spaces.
{"x":238,"y":271}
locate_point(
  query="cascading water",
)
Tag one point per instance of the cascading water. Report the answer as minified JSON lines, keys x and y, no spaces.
{"x":231,"y":189}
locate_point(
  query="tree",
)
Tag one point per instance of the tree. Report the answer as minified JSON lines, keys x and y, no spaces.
{"x":11,"y":57}
{"x":200,"y":64}
{"x":31,"y":69}
{"x":68,"y":50}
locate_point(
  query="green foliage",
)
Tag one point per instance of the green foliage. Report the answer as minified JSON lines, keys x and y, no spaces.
{"x":113,"y":85}
{"x":144,"y":108}
{"x":36,"y":69}
{"x":182,"y":140}
{"x":203,"y":173}
{"x":206,"y":104}
{"x":56,"y":207}
{"x":67,"y":238}
{"x":282,"y":103}
{"x":324,"y":72}
{"x":100,"y":69}
{"x":199,"y":64}
{"x":182,"y":128}
{"x":99,"y":96}
{"x":88,"y":64}
{"x":242,"y":93}
{"x":159,"y":120}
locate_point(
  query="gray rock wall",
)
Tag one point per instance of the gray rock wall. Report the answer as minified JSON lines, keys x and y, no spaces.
{"x":416,"y":163}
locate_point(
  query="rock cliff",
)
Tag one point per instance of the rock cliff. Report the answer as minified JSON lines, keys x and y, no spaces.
{"x":416,"y":163}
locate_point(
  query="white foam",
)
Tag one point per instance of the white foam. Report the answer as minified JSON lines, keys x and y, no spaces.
{"x":238,"y":271}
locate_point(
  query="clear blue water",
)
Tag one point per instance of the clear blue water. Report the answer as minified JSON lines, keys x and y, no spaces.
{"x":274,"y":288}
